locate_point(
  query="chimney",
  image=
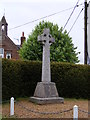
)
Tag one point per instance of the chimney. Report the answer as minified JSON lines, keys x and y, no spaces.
{"x":22,"y":38}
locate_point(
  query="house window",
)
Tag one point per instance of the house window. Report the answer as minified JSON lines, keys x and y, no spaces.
{"x":1,"y":53}
{"x":8,"y":55}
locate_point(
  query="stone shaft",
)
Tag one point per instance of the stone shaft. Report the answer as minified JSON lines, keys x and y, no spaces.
{"x":46,"y":73}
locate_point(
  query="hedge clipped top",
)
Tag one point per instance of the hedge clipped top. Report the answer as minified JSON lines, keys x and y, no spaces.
{"x":19,"y":78}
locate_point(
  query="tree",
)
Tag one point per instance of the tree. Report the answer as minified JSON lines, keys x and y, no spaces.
{"x":62,"y":50}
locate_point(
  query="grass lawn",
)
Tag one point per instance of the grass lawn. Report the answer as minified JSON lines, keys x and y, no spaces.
{"x":26,"y":109}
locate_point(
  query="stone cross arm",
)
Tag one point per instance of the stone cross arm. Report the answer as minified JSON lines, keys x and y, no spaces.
{"x":46,"y":36}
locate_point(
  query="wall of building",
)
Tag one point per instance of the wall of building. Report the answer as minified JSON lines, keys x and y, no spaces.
{"x":7,"y":48}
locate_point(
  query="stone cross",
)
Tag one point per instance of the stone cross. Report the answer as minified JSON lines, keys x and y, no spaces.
{"x":46,"y":91}
{"x":46,"y":39}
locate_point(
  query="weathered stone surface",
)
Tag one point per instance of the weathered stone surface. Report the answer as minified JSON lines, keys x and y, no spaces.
{"x":46,"y":39}
{"x":52,"y":100}
{"x":45,"y":90}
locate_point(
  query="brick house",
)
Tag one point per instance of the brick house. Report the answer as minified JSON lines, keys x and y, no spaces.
{"x":8,"y":49}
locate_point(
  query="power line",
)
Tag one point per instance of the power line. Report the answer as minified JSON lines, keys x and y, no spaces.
{"x":43,"y":17}
{"x":75,"y":20}
{"x":70,"y":15}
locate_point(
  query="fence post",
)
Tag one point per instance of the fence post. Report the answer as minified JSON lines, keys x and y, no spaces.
{"x":75,"y":112}
{"x":12,"y":106}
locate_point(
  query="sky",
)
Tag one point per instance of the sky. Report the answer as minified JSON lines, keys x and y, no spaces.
{"x":20,"y":12}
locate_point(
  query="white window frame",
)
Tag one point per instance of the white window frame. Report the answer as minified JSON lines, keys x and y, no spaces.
{"x":2,"y":54}
{"x":8,"y":54}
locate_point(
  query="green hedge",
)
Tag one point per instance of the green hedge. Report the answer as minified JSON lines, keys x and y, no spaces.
{"x":19,"y":78}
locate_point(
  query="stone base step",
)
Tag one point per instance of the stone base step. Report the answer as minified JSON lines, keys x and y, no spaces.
{"x":47,"y":100}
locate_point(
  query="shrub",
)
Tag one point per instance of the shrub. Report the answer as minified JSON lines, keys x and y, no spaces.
{"x":71,"y":80}
{"x":19,"y":78}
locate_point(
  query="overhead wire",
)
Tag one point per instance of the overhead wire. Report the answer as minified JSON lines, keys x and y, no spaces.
{"x":75,"y":20}
{"x":43,"y":17}
{"x":71,"y":15}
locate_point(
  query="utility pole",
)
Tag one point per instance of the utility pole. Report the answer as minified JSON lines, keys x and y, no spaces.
{"x":85,"y":32}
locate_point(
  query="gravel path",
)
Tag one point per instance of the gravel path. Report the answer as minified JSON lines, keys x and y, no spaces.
{"x":26,"y":109}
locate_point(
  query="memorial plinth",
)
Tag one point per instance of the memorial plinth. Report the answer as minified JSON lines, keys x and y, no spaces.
{"x":46,"y":91}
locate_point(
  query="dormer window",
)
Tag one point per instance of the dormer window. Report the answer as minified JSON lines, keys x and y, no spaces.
{"x":8,"y":55}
